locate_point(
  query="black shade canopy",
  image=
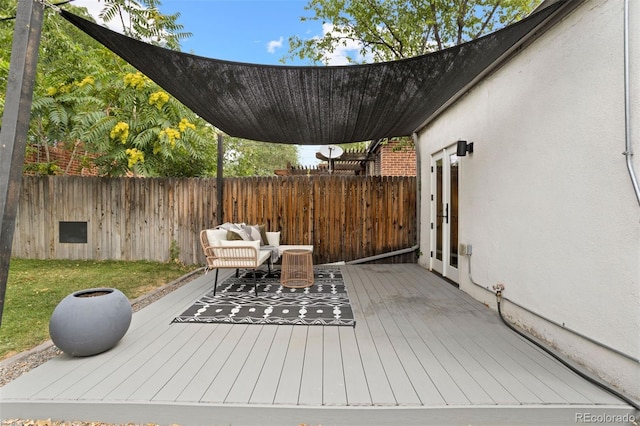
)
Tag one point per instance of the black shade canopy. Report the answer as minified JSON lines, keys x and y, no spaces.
{"x":315,"y":105}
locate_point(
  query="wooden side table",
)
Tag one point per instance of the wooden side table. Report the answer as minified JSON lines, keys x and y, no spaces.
{"x":297,"y":269}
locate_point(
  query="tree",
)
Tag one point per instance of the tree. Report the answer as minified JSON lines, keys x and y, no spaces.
{"x":249,"y":158}
{"x":384,"y":30}
{"x":87,"y":96}
{"x":142,"y":20}
{"x":135,"y":125}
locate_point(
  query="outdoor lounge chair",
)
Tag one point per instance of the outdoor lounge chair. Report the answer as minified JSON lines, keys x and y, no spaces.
{"x":221,"y":253}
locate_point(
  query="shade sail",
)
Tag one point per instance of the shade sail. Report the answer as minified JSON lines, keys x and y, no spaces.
{"x":315,"y":105}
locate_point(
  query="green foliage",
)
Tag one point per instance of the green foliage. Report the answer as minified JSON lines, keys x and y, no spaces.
{"x":355,"y":146}
{"x":145,"y":131}
{"x":249,"y":158}
{"x":400,"y":143}
{"x":43,"y":168}
{"x":174,"y":252}
{"x":83,"y":92}
{"x":385,"y":30}
{"x":32,"y":295}
{"x":143,"y":20}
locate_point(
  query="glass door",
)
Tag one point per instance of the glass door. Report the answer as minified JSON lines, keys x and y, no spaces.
{"x":444,"y":213}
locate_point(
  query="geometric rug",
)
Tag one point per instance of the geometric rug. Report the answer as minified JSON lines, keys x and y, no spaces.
{"x":326,"y":302}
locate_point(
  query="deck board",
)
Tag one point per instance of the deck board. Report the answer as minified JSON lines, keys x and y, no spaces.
{"x":247,"y":377}
{"x":149,"y":388}
{"x":311,"y":385}
{"x":200,"y":383}
{"x":194,"y":366}
{"x":356,"y":386}
{"x":234,"y":365}
{"x":291,"y":378}
{"x":267,"y":382}
{"x":403,"y":341}
{"x":447,"y":331}
{"x":418,"y":344}
{"x":379,"y":386}
{"x":333,"y":380}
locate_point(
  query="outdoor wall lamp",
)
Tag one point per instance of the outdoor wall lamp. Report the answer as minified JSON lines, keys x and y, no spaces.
{"x":464,"y":147}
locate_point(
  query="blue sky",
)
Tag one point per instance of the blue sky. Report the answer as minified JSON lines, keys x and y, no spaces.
{"x":255,"y":31}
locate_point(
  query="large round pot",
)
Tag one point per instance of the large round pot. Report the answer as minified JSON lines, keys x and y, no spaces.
{"x":90,"y":321}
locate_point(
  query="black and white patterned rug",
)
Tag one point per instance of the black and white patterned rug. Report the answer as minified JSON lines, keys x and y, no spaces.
{"x":326,"y":302}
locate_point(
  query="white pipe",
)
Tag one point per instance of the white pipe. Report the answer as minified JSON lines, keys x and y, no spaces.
{"x":628,"y":153}
{"x":383,"y":255}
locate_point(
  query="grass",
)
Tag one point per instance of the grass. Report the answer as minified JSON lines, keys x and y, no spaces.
{"x":35,"y":287}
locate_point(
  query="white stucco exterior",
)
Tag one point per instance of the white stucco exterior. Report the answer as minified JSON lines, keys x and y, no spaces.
{"x":546,"y":199}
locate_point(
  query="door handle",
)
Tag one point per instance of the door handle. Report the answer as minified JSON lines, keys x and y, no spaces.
{"x":445,"y":214}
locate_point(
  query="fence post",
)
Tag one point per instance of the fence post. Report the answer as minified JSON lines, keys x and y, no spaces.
{"x":15,"y":123}
{"x":220,"y":179}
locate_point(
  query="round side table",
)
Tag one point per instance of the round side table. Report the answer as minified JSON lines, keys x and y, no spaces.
{"x":297,"y":268}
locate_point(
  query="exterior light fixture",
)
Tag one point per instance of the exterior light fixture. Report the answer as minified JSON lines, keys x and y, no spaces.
{"x":464,"y":147}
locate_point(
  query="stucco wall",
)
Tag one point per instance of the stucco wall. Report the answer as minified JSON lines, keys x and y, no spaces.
{"x":546,"y":199}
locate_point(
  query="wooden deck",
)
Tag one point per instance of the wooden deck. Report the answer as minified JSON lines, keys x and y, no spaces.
{"x":422,"y":352}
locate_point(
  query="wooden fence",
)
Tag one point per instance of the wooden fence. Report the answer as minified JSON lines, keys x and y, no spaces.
{"x":344,"y":218}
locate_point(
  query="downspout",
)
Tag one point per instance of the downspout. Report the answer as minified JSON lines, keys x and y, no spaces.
{"x":628,"y":153}
{"x":418,"y":202}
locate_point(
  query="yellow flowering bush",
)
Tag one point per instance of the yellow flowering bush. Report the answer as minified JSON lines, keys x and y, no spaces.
{"x":86,"y":80}
{"x":61,"y":89}
{"x":135,"y":156}
{"x":184,"y":124}
{"x":120,"y":131}
{"x":136,"y":80}
{"x":158,"y":99}
{"x":171,"y":134}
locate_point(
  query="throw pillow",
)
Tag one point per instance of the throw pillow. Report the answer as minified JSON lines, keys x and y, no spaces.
{"x":273,"y":238}
{"x":215,"y":235}
{"x":233,"y":236}
{"x":263,"y":235}
{"x":253,"y":232}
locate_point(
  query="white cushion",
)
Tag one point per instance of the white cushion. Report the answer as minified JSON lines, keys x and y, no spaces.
{"x":240,"y":243}
{"x":263,"y":256}
{"x":273,"y":238}
{"x":214,"y":235}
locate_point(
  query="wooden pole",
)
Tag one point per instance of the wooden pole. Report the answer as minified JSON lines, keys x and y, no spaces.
{"x":220,"y":179}
{"x":15,"y":124}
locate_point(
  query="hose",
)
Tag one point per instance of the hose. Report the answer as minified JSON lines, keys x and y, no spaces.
{"x":601,"y":385}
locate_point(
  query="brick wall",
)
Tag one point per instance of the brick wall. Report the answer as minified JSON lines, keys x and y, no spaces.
{"x":60,"y":155}
{"x":397,"y":163}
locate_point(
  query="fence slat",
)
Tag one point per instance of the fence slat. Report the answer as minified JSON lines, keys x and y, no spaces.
{"x":344,"y":218}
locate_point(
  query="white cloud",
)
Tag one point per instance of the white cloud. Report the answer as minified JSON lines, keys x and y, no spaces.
{"x":274,"y":44}
{"x":341,"y":53}
{"x":94,"y":8}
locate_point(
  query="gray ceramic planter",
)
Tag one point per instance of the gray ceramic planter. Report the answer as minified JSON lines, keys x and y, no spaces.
{"x":90,"y":321}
